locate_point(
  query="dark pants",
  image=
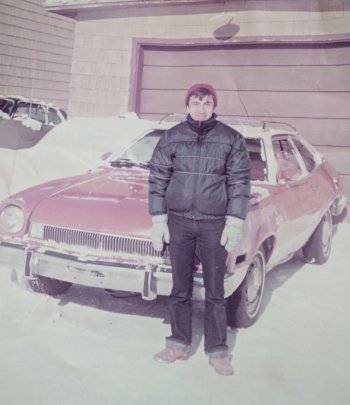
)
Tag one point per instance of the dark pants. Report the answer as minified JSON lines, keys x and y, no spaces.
{"x":185,"y":235}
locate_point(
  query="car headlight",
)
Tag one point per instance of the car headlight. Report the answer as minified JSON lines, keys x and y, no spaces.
{"x":12,"y":219}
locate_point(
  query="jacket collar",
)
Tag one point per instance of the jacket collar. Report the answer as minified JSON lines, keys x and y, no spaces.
{"x":202,"y":127}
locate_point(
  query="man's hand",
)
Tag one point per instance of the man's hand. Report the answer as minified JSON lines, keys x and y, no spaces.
{"x":232,"y":233}
{"x":160,"y":231}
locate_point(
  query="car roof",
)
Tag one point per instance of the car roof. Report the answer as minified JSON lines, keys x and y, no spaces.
{"x":264,"y":130}
{"x":29,"y":100}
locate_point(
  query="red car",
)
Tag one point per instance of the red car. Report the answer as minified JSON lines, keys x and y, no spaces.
{"x":94,"y":229}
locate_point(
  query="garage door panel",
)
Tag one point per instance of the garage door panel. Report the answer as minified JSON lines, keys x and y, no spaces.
{"x":338,"y":157}
{"x":257,"y":104}
{"x":327,"y":131}
{"x":165,"y":102}
{"x":281,"y":78}
{"x":294,"y":104}
{"x":245,"y":55}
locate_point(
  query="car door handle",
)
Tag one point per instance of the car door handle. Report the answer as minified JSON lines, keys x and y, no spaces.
{"x":295,"y":184}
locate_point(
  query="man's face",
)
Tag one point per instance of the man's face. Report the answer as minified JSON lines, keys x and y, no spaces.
{"x":201,"y":110}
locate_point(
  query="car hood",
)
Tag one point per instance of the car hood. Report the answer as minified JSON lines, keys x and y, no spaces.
{"x":105,"y":200}
{"x":109,"y":201}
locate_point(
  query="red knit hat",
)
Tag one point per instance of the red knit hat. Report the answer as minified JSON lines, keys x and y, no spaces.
{"x":198,"y":86}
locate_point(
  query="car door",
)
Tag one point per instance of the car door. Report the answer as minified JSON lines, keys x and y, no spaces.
{"x":318,"y":187}
{"x":290,"y":198}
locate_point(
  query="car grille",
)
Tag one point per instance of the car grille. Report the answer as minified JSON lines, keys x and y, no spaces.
{"x":100,"y":242}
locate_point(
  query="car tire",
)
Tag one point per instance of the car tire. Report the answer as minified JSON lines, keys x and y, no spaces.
{"x":243,"y":306}
{"x":49,"y":286}
{"x":317,"y":249}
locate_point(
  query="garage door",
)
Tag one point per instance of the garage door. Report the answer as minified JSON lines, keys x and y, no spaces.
{"x":306,"y":84}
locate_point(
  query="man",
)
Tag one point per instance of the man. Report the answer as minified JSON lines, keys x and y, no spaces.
{"x":199,"y":187}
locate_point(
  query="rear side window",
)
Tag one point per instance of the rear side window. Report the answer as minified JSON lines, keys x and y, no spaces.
{"x":53,"y":118}
{"x":288,"y":167}
{"x":307,"y":156}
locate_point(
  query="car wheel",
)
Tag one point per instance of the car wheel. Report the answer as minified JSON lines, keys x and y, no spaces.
{"x":317,"y":249}
{"x":49,"y":285}
{"x":243,"y":306}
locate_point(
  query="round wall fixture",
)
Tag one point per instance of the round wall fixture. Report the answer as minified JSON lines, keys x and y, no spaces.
{"x":226,"y":31}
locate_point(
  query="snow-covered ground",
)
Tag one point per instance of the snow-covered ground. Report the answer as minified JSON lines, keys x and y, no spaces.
{"x":90,"y":348}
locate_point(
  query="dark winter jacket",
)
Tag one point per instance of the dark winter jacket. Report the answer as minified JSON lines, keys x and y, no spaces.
{"x":200,"y":170}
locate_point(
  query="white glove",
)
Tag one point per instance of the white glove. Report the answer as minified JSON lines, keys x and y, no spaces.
{"x":160,"y":231}
{"x":232,"y":233}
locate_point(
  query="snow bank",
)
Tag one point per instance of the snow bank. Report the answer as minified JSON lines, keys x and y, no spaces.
{"x":69,"y":149}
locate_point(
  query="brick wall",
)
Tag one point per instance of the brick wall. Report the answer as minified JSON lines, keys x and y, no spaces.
{"x":35,"y":51}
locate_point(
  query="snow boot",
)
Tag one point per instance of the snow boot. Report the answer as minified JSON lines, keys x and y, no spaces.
{"x":221,"y":365}
{"x":170,"y":354}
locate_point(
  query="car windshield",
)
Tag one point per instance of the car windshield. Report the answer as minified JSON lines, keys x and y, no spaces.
{"x":140,"y":154}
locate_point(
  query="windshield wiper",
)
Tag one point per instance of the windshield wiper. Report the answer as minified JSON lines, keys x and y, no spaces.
{"x":128,"y":163}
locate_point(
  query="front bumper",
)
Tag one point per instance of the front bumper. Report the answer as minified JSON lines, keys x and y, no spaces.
{"x":150,"y":281}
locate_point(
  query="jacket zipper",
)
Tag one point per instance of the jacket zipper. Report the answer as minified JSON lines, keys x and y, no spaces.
{"x":195,"y":186}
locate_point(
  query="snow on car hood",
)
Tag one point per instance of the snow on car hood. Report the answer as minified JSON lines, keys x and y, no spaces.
{"x":107,"y":201}
{"x":69,"y":149}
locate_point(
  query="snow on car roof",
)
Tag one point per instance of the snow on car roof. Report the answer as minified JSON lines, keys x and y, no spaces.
{"x":29,"y":100}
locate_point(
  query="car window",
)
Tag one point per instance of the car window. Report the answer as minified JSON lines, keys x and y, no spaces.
{"x":22,"y":109}
{"x":6,"y":105}
{"x":53,"y":118}
{"x":37,"y":112}
{"x":33,"y":110}
{"x":288,"y":167}
{"x":306,"y":155}
{"x":141,"y":151}
{"x":258,"y":165}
